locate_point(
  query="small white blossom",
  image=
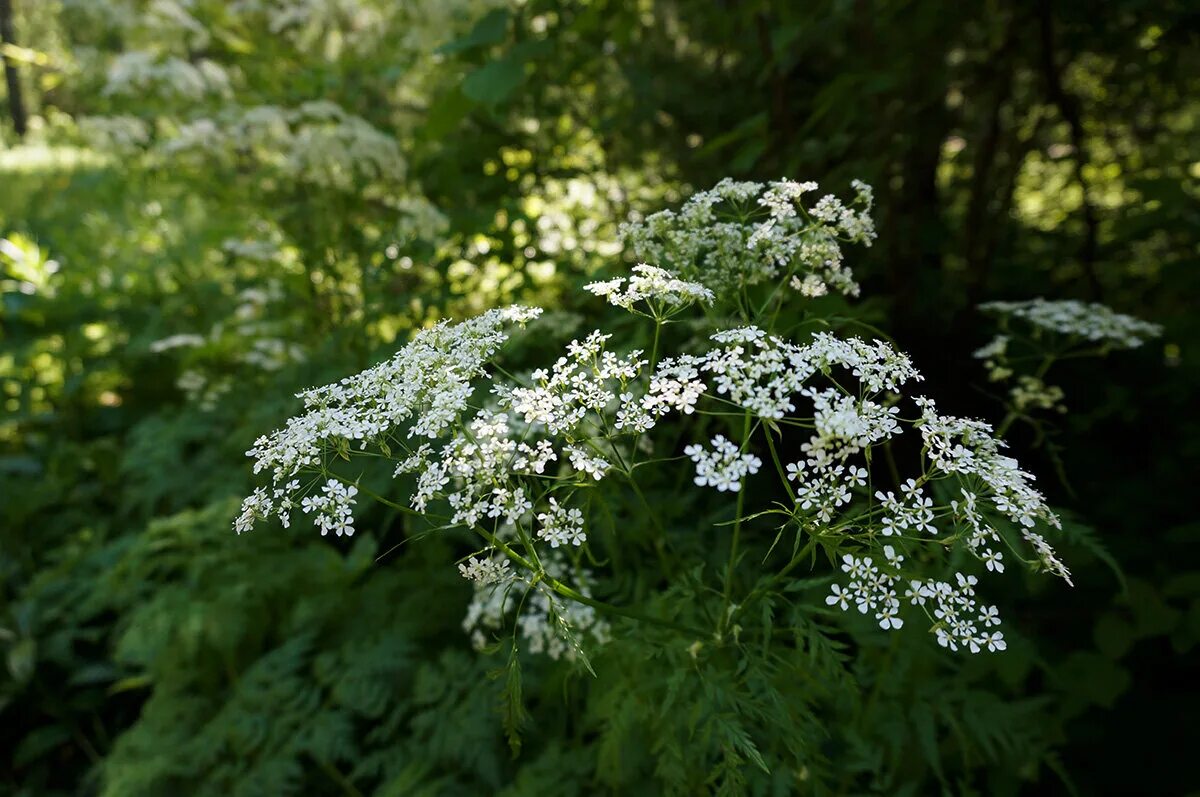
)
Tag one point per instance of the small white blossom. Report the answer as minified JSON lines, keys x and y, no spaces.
{"x":485,"y":571}
{"x":586,"y":462}
{"x":561,"y":525}
{"x":332,"y":508}
{"x":724,"y":467}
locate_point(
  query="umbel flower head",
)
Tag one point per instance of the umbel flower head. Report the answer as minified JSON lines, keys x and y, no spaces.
{"x":1045,"y":331}
{"x":659,"y":289}
{"x":740,"y":234}
{"x":1090,"y":321}
{"x":516,"y":460}
{"x":425,"y":385}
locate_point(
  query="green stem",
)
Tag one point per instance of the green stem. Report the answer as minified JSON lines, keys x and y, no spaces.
{"x":337,"y":777}
{"x":737,"y":532}
{"x":778,"y":465}
{"x":1013,"y":415}
{"x":376,"y":496}
{"x":891,"y":462}
{"x":637,"y":440}
{"x":1008,"y":421}
{"x":798,"y":558}
{"x":654,"y":346}
{"x":661,"y":533}
{"x":789,"y":567}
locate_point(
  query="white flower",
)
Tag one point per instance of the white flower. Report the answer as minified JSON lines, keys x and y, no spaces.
{"x":561,"y":525}
{"x":121,"y":134}
{"x":595,"y":402}
{"x":811,"y":286}
{"x":739,"y":335}
{"x":425,"y":386}
{"x":838,"y":597}
{"x":485,"y":571}
{"x":332,"y":508}
{"x":957,"y":614}
{"x":1032,"y":392}
{"x":993,"y":561}
{"x":996,"y":347}
{"x":586,"y":462}
{"x":887,"y":618}
{"x":724,"y":467}
{"x":141,"y":71}
{"x":582,"y":384}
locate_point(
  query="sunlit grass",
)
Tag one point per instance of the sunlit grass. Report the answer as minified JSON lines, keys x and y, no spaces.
{"x":40,"y":158}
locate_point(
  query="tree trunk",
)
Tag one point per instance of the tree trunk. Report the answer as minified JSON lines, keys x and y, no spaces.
{"x":16,"y":104}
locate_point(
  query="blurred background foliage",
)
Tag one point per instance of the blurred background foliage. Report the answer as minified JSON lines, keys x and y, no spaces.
{"x":206,"y":206}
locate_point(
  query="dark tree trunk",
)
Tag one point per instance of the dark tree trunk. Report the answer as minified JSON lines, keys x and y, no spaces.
{"x":16,"y":104}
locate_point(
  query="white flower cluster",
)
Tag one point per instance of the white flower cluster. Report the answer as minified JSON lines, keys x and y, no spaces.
{"x":995,"y":358}
{"x":824,"y":490}
{"x":318,"y":24}
{"x":845,"y":425}
{"x":495,"y":465}
{"x":1090,"y":321}
{"x":587,"y":462}
{"x":762,"y":373}
{"x":476,"y":465}
{"x":579,"y":383}
{"x":546,"y":623}
{"x":332,"y":508}
{"x":912,"y":510}
{"x":724,"y":467}
{"x":494,"y":469}
{"x":657,"y":287}
{"x":182,"y":340}
{"x":744,"y":233}
{"x":138,"y":72}
{"x":561,"y":525}
{"x":1080,"y":323}
{"x":958,"y":619}
{"x":168,"y":19}
{"x":486,"y":571}
{"x":590,"y":381}
{"x":425,"y":385}
{"x":966,"y":448}
{"x":317,"y":143}
{"x":1030,"y":392}
{"x":118,"y":134}
{"x":870,"y":589}
{"x":202,"y":389}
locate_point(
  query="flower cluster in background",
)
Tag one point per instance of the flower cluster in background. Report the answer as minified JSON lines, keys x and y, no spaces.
{"x":1090,"y":321}
{"x":1037,"y":333}
{"x":740,"y":234}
